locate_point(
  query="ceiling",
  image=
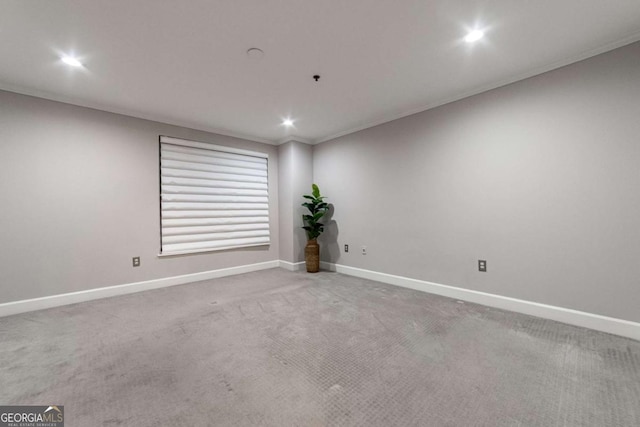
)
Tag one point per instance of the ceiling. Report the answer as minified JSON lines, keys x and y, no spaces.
{"x":186,"y":62}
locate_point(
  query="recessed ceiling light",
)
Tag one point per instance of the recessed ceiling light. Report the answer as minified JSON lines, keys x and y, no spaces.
{"x":70,"y":60}
{"x":474,"y":36}
{"x":287,"y":122}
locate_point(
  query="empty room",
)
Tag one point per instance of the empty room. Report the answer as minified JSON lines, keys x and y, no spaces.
{"x":319,"y":213}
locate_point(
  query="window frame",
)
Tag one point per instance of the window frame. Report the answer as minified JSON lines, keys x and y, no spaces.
{"x":163,"y":139}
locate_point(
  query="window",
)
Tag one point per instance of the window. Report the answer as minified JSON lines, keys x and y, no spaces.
{"x":212,"y":197}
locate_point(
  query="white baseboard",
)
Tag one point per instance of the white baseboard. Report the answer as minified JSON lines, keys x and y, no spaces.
{"x":597,"y":322}
{"x":23,"y":306}
{"x":292,"y":266}
{"x":573,"y":317}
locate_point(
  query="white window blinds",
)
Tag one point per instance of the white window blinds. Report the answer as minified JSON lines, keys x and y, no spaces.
{"x":212,"y":197}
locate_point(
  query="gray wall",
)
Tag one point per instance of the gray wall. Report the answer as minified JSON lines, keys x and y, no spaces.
{"x":79,"y":190}
{"x":302,"y":180}
{"x":285,"y":199}
{"x":295,"y":163}
{"x":541,"y":178}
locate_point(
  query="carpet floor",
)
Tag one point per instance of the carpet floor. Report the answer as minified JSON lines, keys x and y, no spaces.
{"x":275,"y":348}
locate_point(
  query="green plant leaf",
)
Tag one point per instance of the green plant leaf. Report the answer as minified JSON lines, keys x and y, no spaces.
{"x":317,"y":208}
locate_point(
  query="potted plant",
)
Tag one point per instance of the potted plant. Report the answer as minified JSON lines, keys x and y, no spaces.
{"x":311,"y":223}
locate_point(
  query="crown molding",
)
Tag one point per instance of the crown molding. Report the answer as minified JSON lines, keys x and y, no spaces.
{"x":293,"y":138}
{"x":129,"y":113}
{"x":632,"y":38}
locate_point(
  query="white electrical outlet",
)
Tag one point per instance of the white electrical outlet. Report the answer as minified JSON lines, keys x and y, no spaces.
{"x":364,"y":250}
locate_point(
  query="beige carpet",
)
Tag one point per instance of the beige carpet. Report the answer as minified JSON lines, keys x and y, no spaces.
{"x":275,"y":348}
